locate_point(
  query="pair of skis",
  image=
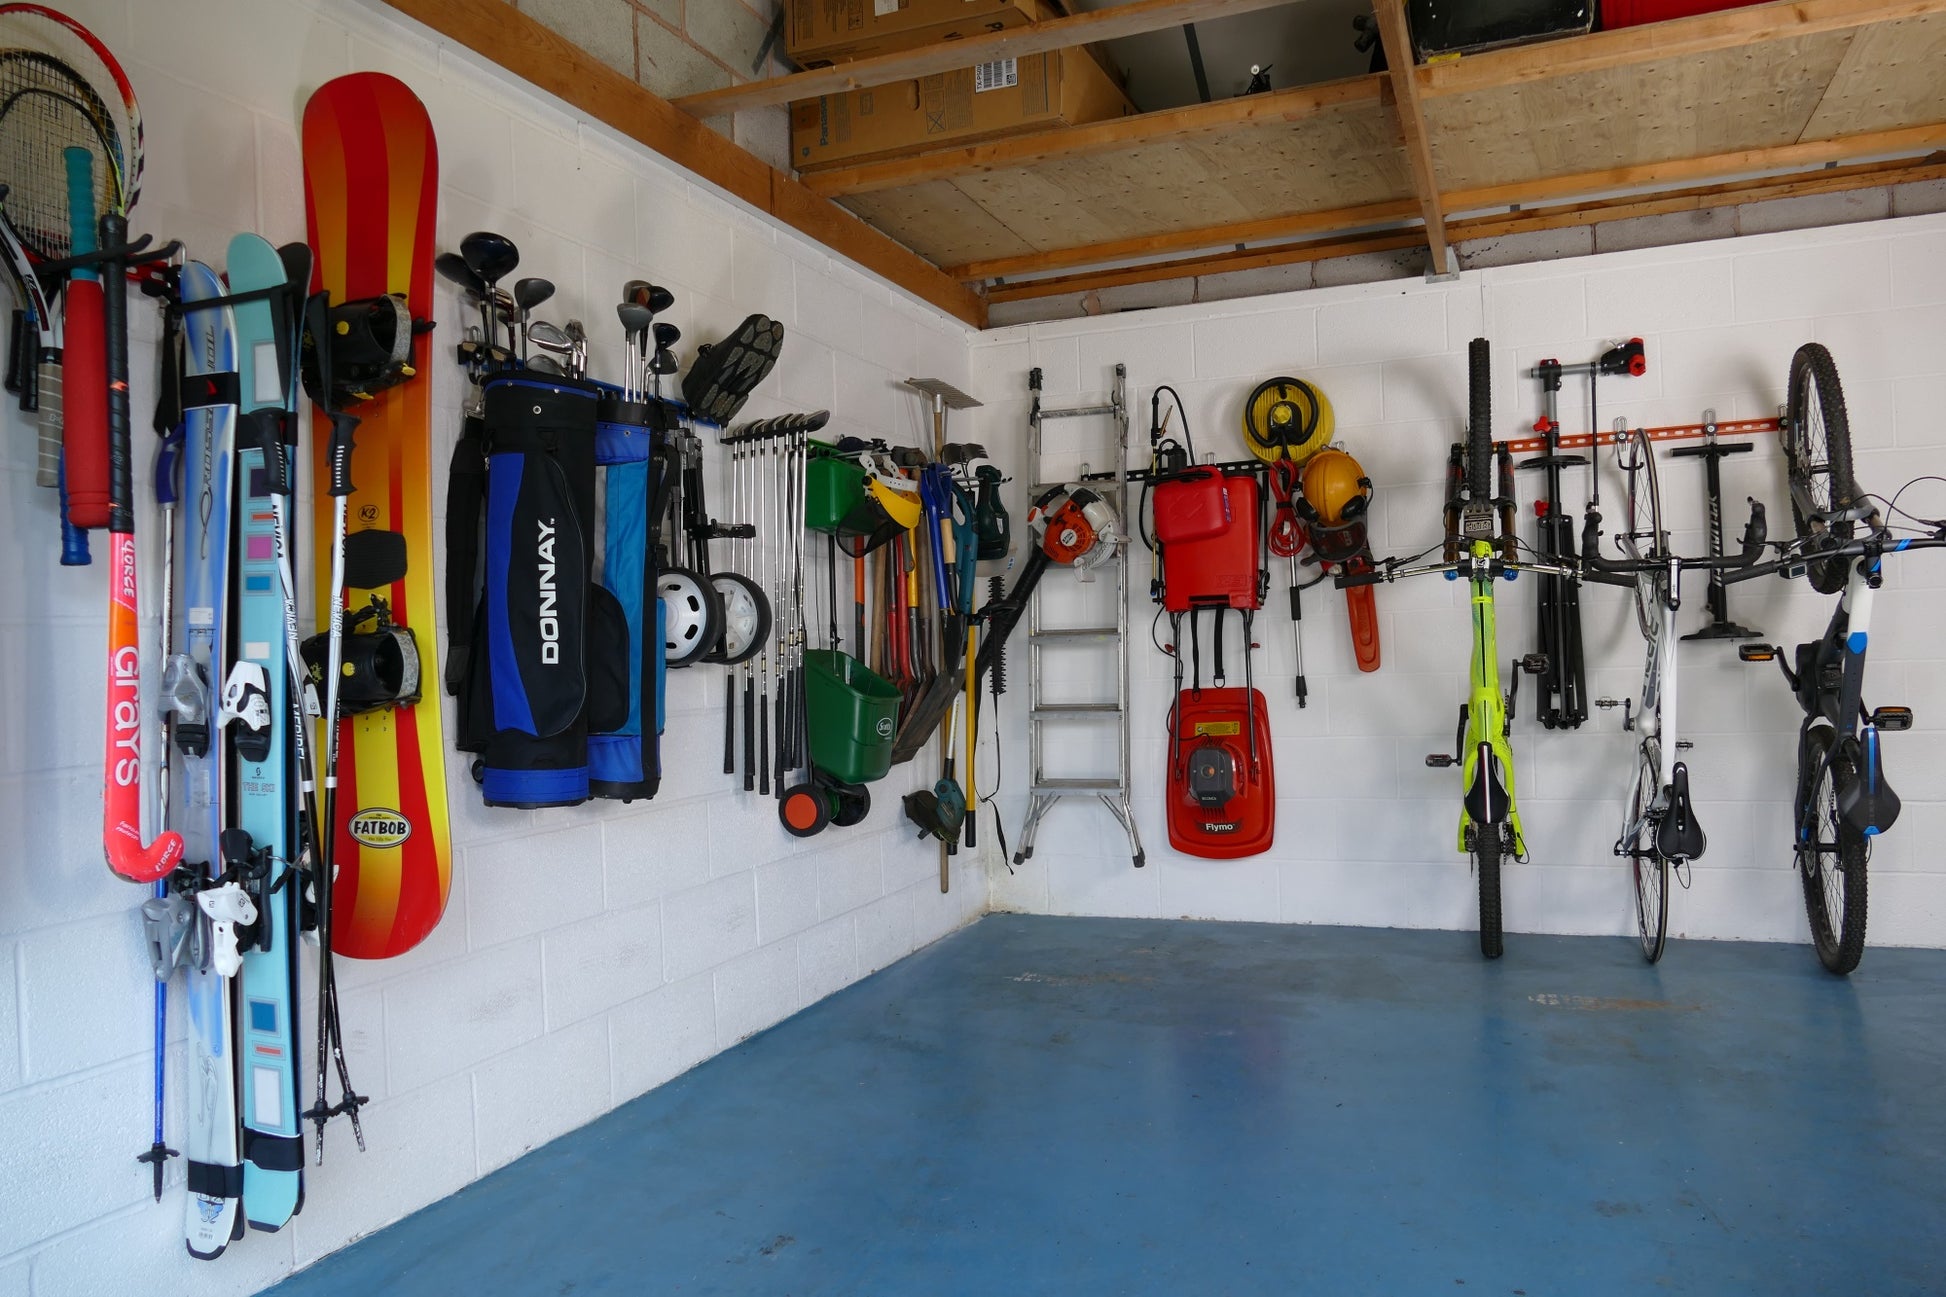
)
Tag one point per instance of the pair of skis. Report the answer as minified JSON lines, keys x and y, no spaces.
{"x":246,"y":803}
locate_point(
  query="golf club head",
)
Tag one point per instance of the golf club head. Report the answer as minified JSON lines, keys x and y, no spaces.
{"x":452,"y":266}
{"x":545,"y":365}
{"x":576,"y":331}
{"x":667,"y":335}
{"x":548,"y":337}
{"x":529,"y":293}
{"x":660,"y":299}
{"x":635,"y":319}
{"x":663,"y":362}
{"x":637,"y":291}
{"x":490,"y":256}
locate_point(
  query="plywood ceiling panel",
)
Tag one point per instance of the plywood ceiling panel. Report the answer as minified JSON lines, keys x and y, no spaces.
{"x":1893,"y":75}
{"x":1749,"y":97}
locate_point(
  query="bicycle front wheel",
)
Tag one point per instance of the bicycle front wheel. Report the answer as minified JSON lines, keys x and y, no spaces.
{"x":1817,"y":455}
{"x":1644,"y":538}
{"x":1479,"y":426}
{"x":1486,"y":860}
{"x":1646,"y":864}
{"x":1831,"y":862}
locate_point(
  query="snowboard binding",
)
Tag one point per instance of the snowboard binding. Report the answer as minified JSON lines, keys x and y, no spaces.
{"x":380,"y":666}
{"x":370,"y":342}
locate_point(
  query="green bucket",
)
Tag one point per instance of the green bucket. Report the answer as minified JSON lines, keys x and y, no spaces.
{"x":854,"y":716}
{"x":834,"y":491}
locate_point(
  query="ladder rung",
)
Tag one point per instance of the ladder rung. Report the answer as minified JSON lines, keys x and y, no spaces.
{"x":1077,"y":786}
{"x":1076,"y":709}
{"x":1077,"y":632}
{"x":1077,"y":411}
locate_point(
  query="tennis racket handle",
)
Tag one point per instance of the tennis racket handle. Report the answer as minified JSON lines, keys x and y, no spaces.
{"x":74,"y":541}
{"x":47,"y":387}
{"x":84,"y":401}
{"x":16,"y":365}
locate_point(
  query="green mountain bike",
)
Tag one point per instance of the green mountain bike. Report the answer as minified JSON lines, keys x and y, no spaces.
{"x":1480,"y":548}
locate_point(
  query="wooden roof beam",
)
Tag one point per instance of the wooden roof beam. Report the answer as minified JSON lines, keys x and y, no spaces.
{"x":502,"y":35}
{"x":1676,"y":38}
{"x":1016,"y":42}
{"x":1821,"y":181}
{"x":1397,"y":36}
{"x":1172,"y":125}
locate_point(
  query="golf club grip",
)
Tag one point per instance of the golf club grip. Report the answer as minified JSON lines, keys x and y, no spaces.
{"x":730,"y":730}
{"x":114,"y":329}
{"x":749,"y":736}
{"x":84,"y":428}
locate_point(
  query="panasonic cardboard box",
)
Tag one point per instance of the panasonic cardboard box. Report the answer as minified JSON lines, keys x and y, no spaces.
{"x":1005,"y":97}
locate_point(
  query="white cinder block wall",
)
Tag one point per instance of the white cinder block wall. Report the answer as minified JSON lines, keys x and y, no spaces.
{"x":1365,"y":831}
{"x":587,"y":954}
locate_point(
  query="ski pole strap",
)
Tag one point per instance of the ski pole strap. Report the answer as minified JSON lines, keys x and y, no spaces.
{"x":466,"y":483}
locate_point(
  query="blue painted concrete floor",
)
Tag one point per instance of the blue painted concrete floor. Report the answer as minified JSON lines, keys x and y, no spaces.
{"x":1084,"y":1106}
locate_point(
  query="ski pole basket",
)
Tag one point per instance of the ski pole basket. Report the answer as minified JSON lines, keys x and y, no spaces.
{"x":854,"y":716}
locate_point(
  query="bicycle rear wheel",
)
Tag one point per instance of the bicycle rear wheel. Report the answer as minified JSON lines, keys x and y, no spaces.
{"x":1832,"y":864}
{"x":1479,"y":425}
{"x":1644,"y":537}
{"x":1817,"y":454}
{"x":1646,"y":864}
{"x":1486,"y":859}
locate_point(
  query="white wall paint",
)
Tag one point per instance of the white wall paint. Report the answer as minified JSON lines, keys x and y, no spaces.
{"x":587,"y":954}
{"x":1365,"y":831}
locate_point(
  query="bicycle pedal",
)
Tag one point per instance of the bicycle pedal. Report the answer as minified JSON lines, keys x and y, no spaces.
{"x":1608,"y":704}
{"x":1684,"y":745}
{"x":1893,"y":720}
{"x":1439,"y":760}
{"x":1534,"y":663}
{"x":1757,"y":652}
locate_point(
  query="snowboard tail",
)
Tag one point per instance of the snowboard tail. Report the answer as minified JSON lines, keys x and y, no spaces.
{"x":371,"y":178}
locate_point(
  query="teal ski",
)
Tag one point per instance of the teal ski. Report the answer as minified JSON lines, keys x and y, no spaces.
{"x":210,"y":1146}
{"x":266,"y":735}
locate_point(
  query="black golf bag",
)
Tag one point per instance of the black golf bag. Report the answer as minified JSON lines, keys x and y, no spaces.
{"x":543,"y":656}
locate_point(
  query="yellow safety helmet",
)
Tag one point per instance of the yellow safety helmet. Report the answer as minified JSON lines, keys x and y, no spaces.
{"x":1287,"y":418}
{"x":900,"y":501}
{"x":1336,"y":487}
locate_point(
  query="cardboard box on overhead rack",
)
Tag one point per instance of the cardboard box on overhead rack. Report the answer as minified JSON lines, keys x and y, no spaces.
{"x":836,"y":31}
{"x":1005,"y":97}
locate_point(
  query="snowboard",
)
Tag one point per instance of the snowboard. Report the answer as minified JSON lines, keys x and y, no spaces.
{"x":211,"y":1219}
{"x":371,"y":181}
{"x":266,"y":791}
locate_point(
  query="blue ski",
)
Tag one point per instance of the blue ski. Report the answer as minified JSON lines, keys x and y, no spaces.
{"x":258,"y":696}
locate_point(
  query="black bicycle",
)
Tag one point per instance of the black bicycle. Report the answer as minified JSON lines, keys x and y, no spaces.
{"x":1843,"y":799}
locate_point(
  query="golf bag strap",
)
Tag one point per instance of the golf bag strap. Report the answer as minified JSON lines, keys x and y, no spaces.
{"x":466,"y":482}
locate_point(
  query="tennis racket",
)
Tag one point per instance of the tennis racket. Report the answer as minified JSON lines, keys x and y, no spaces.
{"x":45,"y":108}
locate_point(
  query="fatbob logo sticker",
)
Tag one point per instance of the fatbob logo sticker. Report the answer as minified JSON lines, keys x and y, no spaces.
{"x":381,"y":827}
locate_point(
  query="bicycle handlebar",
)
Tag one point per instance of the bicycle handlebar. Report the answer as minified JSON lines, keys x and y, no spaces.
{"x":1390,"y":569}
{"x":1609,"y":571}
{"x":1797,"y":553}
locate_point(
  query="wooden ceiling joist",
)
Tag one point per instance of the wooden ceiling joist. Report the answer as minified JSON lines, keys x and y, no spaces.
{"x":1653,"y":42}
{"x":1841,"y":180}
{"x":498,"y":32}
{"x":1397,"y":37}
{"x":1015,"y":42}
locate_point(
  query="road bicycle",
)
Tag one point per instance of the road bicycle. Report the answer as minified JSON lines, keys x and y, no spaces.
{"x":1480,"y":548}
{"x":1842,"y":799}
{"x":1660,"y":830}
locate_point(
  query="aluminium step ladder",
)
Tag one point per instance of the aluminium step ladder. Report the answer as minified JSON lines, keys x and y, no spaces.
{"x":1112,"y":790}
